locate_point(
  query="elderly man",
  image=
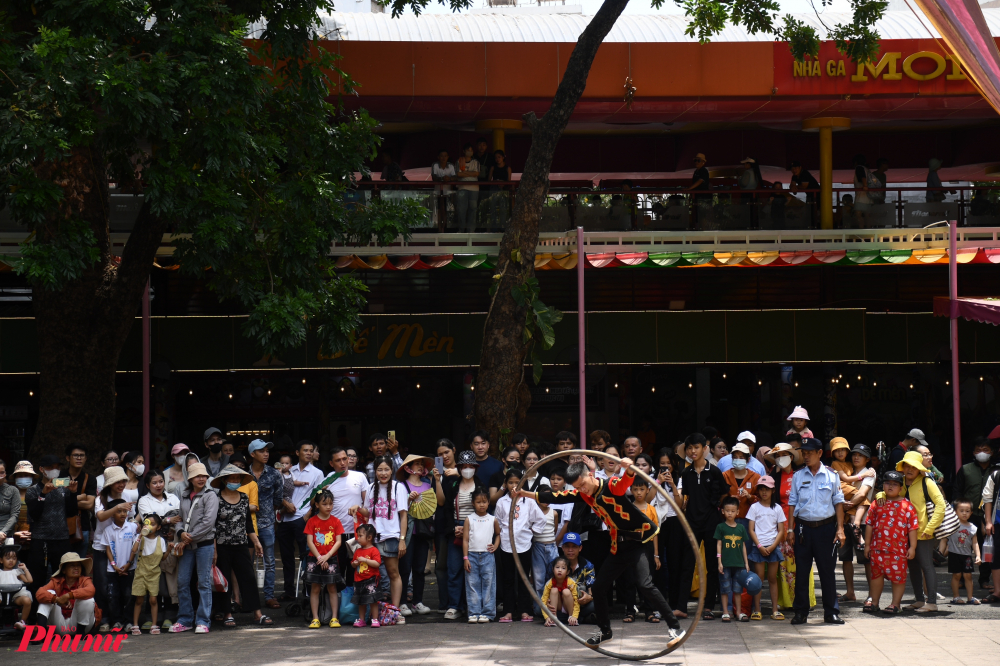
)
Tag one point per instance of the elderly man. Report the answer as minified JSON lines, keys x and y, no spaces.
{"x":630,"y":531}
{"x":815,"y":528}
{"x":747,"y":438}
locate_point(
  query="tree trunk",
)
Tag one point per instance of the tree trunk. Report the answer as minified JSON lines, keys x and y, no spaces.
{"x":81,"y":328}
{"x":502,"y":396}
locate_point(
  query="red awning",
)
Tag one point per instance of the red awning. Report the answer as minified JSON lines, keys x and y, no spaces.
{"x":982,"y":310}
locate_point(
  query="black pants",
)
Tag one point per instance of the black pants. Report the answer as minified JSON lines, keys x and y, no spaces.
{"x":704,"y":534}
{"x":627,"y":584}
{"x":236,"y":561}
{"x":673,"y":543}
{"x":415,"y":561}
{"x":344,"y":560}
{"x":816,"y":544}
{"x":43,"y":560}
{"x":515,"y":597}
{"x":289,"y":534}
{"x":596,"y":549}
{"x":119,"y":591}
{"x":630,"y":557}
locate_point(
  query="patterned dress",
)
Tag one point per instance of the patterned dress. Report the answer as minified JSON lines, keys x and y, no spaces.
{"x":891,"y":526}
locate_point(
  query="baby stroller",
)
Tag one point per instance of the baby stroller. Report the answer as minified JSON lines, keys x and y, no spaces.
{"x":10,"y":612}
{"x":299,"y":606}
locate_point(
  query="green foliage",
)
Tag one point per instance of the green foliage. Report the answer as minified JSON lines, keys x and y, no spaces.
{"x":241,"y":147}
{"x":539,"y":322}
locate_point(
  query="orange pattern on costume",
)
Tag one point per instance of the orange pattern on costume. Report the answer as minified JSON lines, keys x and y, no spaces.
{"x":623,"y":516}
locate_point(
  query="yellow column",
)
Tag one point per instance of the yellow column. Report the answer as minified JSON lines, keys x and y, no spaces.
{"x":826,"y":128}
{"x":498,"y":127}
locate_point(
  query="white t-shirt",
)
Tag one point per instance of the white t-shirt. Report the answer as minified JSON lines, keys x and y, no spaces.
{"x":149,"y":504}
{"x":449,"y":170}
{"x":527,"y":520}
{"x":765,"y":522}
{"x":312,"y":477}
{"x":347,"y":492}
{"x":102,"y":525}
{"x":385,"y":513}
{"x":149,"y":546}
{"x":545,"y":532}
{"x":481,"y":532}
{"x":120,"y":539}
{"x":663,"y":508}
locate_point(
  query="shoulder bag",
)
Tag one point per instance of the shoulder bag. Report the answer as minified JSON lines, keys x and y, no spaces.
{"x":950,"y":524}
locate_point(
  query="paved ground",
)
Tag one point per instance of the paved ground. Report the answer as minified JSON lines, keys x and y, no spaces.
{"x":429,"y":640}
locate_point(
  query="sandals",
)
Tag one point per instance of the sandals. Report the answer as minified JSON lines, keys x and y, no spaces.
{"x":549,"y":623}
{"x":991,"y":599}
{"x":229,"y":622}
{"x":707,"y":616}
{"x":265,"y":621}
{"x":777,"y":615}
{"x":888,"y":610}
{"x":653,"y":617}
{"x":726,"y":618}
{"x":972,"y":601}
{"x":928,"y":608}
{"x":154,"y":630}
{"x":756,"y":616}
{"x":744,"y":617}
{"x":680,"y":615}
{"x":957,"y":601}
{"x":236,"y":607}
{"x":868,"y":607}
{"x":629,"y":617}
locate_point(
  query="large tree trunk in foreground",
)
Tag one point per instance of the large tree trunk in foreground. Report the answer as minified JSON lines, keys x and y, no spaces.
{"x":82,"y":327}
{"x":502,"y":396}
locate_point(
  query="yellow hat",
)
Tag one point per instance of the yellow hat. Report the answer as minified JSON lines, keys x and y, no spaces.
{"x":912,"y":458}
{"x":838,"y":443}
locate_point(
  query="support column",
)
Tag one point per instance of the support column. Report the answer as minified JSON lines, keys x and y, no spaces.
{"x":826,"y":127}
{"x":498,"y":127}
{"x":146,"y":421}
{"x":581,"y":337}
{"x":956,"y":403}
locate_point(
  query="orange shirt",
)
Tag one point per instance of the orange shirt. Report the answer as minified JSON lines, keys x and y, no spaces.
{"x":747,"y":483}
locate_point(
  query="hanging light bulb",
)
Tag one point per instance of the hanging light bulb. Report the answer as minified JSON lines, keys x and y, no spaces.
{"x":379,"y":390}
{"x":796,"y":384}
{"x":303,"y":380}
{"x":848,"y":386}
{"x":190,"y":392}
{"x":653,"y":390}
{"x":269,"y":391}
{"x":230,"y":396}
{"x":760,"y":383}
{"x":418,"y":386}
{"x":32,"y":393}
{"x":616,"y":384}
{"x":723,"y":375}
{"x":690,"y":385}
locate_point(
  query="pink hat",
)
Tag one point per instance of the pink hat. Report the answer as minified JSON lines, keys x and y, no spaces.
{"x":179,"y":449}
{"x":798,"y":413}
{"x":765,"y":481}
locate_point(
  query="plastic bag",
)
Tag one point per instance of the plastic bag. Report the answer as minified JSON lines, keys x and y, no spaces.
{"x":348,"y":609}
{"x":219,"y":582}
{"x":988,"y":548}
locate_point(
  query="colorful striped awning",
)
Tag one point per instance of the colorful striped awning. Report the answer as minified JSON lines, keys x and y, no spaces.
{"x":546,"y":261}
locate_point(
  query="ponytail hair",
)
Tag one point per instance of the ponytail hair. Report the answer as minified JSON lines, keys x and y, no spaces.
{"x":375,"y":486}
{"x":368,"y":530}
{"x":320,"y":495}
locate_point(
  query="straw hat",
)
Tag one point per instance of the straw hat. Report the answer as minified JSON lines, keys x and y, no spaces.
{"x":912,"y":458}
{"x":225,"y":475}
{"x":197,"y":469}
{"x":428,"y":464}
{"x":113,"y":475}
{"x":798,"y":413}
{"x":23,"y":467}
{"x":72,"y":558}
{"x":838,"y":443}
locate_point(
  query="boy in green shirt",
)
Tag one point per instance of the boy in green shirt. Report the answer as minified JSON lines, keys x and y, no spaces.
{"x":730,"y":539}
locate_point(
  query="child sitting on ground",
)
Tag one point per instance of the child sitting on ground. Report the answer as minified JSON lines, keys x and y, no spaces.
{"x":963,"y":554}
{"x":893,"y":527}
{"x":12,"y":573}
{"x":731,"y":538}
{"x":366,"y":563}
{"x":149,"y":550}
{"x":561,"y":595}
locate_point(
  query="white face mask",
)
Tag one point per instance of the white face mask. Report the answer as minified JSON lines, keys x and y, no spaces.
{"x":739,"y":463}
{"x":180,"y":459}
{"x":138,"y":469}
{"x":982,"y":457}
{"x":688,"y":459}
{"x":784,"y":461}
{"x":468,"y":473}
{"x":51,"y":473}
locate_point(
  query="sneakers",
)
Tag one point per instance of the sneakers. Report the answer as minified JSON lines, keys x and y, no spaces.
{"x":452,"y":614}
{"x":405,"y":610}
{"x":201,"y":629}
{"x":314,"y":624}
{"x":375,"y":624}
{"x":400,"y":620}
{"x":359,"y":623}
{"x":484,"y":619}
{"x":117,"y":626}
{"x":675,"y":634}
{"x":177,"y":628}
{"x":128,"y":628}
{"x":420,"y":608}
{"x":334,"y":623}
{"x":473,"y":619}
{"x":599,"y":637}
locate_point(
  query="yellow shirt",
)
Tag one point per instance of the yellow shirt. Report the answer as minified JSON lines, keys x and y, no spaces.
{"x":571,"y":585}
{"x":915,"y":493}
{"x":251,"y":491}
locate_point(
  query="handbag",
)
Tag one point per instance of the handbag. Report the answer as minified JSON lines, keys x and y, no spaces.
{"x":219,"y":582}
{"x":387,"y":614}
{"x":949,"y":524}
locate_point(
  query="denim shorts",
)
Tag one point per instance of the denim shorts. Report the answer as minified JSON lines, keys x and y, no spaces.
{"x":753,"y":554}
{"x":727,"y":580}
{"x":388,"y":548}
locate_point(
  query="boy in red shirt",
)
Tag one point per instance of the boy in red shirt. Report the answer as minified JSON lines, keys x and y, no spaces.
{"x":890,"y":540}
{"x":366,"y":563}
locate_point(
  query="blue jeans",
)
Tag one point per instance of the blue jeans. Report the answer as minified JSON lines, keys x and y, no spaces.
{"x":200,"y":559}
{"x":541,"y":555}
{"x":266,"y":536}
{"x":480,"y":585}
{"x":456,"y":575}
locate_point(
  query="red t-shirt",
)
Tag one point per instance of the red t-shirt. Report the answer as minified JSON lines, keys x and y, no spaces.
{"x":891,"y":525}
{"x":364,"y":572}
{"x":324,"y":532}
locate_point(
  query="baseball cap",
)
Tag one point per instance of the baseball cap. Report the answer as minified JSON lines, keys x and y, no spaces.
{"x":572,"y":537}
{"x":258,"y":444}
{"x":210,"y":432}
{"x":918,"y":435}
{"x":794,"y":164}
{"x":894,"y":476}
{"x":811,"y":444}
{"x":178,"y":449}
{"x":863,"y":449}
{"x":746,"y":435}
{"x":742,"y":448}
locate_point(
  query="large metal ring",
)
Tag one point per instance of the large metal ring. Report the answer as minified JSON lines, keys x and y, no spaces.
{"x":672,"y":645}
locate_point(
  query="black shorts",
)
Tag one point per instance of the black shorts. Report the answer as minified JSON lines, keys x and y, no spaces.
{"x":847,"y":551}
{"x":960,"y":564}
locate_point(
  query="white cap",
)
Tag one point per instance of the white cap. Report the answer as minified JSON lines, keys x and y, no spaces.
{"x":742,"y":448}
{"x":746,"y":435}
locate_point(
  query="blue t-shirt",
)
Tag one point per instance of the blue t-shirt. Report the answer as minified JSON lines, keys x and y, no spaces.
{"x":486,"y":469}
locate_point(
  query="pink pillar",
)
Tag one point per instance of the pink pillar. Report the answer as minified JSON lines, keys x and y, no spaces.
{"x":145,"y":377}
{"x":581,"y":337}
{"x":953,"y":297}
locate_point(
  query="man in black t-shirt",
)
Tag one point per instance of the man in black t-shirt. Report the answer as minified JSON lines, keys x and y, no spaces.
{"x":699,"y":184}
{"x":803,"y":180}
{"x":76,"y":458}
